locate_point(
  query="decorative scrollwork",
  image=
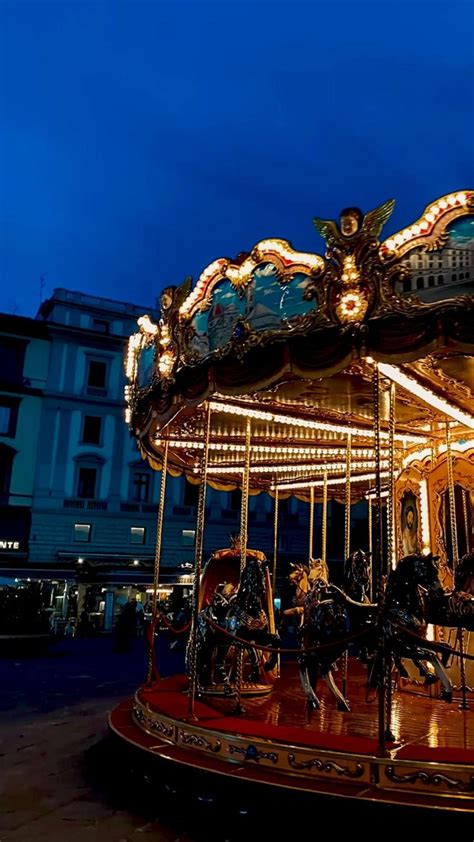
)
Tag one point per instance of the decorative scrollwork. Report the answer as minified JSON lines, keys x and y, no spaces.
{"x":326,"y":766}
{"x":152,"y":724}
{"x":434,"y":779}
{"x":199,"y":741}
{"x":252,"y":753}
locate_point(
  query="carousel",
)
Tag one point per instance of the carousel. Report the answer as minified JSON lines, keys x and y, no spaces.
{"x":289,"y":373}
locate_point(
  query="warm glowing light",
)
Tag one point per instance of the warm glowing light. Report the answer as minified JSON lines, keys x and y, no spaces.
{"x":275,"y":418}
{"x":134,"y":344}
{"x":239,"y":275}
{"x":414,"y":388}
{"x":417,"y":456}
{"x":461,"y":446}
{"x":274,"y":450}
{"x":317,"y":483}
{"x":334,"y":467}
{"x":147,"y":325}
{"x":425,"y":517}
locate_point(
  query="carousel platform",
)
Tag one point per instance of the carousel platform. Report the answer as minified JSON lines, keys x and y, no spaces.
{"x":327,"y":753}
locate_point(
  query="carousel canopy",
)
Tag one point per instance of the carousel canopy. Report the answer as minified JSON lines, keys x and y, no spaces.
{"x":294,"y":341}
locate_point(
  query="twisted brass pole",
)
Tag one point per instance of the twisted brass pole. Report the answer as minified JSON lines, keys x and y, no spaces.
{"x":156,"y":572}
{"x":378,"y":564}
{"x":452,"y":499}
{"x":243,"y":552}
{"x":369,"y":516}
{"x":465,"y":494}
{"x":275,"y":541}
{"x":347,"y":545}
{"x":311,"y":523}
{"x":198,"y":551}
{"x":391,"y":480}
{"x":347,"y":510}
{"x":324,"y":518}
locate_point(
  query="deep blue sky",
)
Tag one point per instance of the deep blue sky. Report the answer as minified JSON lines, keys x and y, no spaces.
{"x":141,"y":140}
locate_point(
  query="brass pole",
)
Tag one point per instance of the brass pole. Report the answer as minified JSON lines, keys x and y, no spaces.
{"x":378,"y":564}
{"x":311,"y":523}
{"x":243,"y":551}
{"x":275,"y":541}
{"x":158,"y":545}
{"x":465,"y":494}
{"x":347,"y":546}
{"x":377,"y":513}
{"x":369,"y":515}
{"x":324,"y":518}
{"x":347,"y":511}
{"x":198,"y":551}
{"x":452,"y":499}
{"x":391,"y":480}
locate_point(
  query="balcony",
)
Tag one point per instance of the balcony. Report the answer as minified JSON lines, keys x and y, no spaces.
{"x":129,"y":507}
{"x":145,"y":508}
{"x":184,"y":511}
{"x":91,"y":505}
{"x":71,"y":503}
{"x":96,"y":392}
{"x":97,"y":505}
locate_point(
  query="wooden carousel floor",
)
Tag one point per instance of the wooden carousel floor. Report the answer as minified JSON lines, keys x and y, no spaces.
{"x":419,"y":724}
{"x":328,"y":752}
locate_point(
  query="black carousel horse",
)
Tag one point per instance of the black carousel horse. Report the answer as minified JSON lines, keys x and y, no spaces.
{"x":357,"y":576}
{"x":413,"y":598}
{"x":456,"y":608}
{"x":240,"y":613}
{"x":330,"y":615}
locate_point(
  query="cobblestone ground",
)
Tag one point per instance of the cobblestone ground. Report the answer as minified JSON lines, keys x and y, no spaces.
{"x":53,"y":727}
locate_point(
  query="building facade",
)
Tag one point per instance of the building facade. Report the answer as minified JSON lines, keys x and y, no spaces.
{"x":24,"y":360}
{"x":71,"y":469}
{"x":441,"y":274}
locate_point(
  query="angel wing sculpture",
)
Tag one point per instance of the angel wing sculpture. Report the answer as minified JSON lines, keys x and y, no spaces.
{"x":354,"y":225}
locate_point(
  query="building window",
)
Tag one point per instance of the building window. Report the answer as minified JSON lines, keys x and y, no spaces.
{"x":188,"y":537}
{"x":440,"y":279}
{"x":282,"y":542}
{"x":87,"y":482}
{"x":141,"y":486}
{"x":431,"y":281}
{"x":8,"y":417}
{"x":419,"y":283}
{"x":191,"y":494}
{"x":137,"y":534}
{"x":7,"y":455}
{"x":407,"y":285}
{"x":454,"y":277}
{"x":235,"y":499}
{"x":97,"y":374}
{"x":82,"y":532}
{"x":101,"y":325}
{"x":12,"y":359}
{"x":91,"y":429}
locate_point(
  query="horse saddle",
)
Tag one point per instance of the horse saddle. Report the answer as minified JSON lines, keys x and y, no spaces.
{"x":253,"y":623}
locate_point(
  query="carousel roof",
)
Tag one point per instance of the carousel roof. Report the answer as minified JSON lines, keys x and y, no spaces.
{"x":291,"y":340}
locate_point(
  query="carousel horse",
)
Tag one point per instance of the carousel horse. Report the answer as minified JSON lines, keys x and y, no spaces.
{"x":239,"y":612}
{"x":329,"y":615}
{"x":413,"y":593}
{"x":303,"y":578}
{"x":456,"y":608}
{"x":357,"y":576}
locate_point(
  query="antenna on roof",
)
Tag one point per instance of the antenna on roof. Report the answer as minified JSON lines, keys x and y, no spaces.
{"x":41,"y":289}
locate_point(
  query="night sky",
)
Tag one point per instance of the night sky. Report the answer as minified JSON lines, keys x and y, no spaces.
{"x":142,"y":140}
